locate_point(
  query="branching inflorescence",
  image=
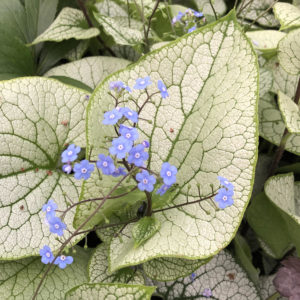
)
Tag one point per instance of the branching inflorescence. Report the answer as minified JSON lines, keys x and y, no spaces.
{"x":127,"y":157}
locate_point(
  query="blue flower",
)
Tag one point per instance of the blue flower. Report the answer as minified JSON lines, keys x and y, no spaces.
{"x":192,"y":276}
{"x":120,"y":147}
{"x":192,"y":29}
{"x":46,"y":254}
{"x":207,"y":293}
{"x":67,"y":168}
{"x":118,"y":86}
{"x":193,"y":12}
{"x":119,"y":172}
{"x":112,"y":117}
{"x":226,"y":183}
{"x":137,"y":155}
{"x":129,"y":133}
{"x":163,"y":189}
{"x":146,"y":181}
{"x":56,"y":225}
{"x":106,"y":164}
{"x":142,"y":83}
{"x":168,"y":173}
{"x":146,"y":144}
{"x":83,"y":169}
{"x":70,"y":154}
{"x":177,"y":18}
{"x":129,"y":114}
{"x":50,"y":208}
{"x":224,"y":198}
{"x":163,"y":90}
{"x":62,"y":261}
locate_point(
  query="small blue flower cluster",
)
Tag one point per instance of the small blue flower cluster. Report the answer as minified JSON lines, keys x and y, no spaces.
{"x":224,"y":196}
{"x":55,"y":226}
{"x":189,"y":18}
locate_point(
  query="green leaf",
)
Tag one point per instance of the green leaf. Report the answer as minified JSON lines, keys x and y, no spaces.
{"x":244,"y":258}
{"x":290,"y":113}
{"x":144,"y":229}
{"x":265,"y":81}
{"x":111,"y":9}
{"x":20,"y":278}
{"x":251,"y":11}
{"x":119,"y":30}
{"x":110,"y":291}
{"x":225,"y":278}
{"x":212,"y":111}
{"x":266,"y":41}
{"x":72,"y":82}
{"x":16,"y":59}
{"x":205,"y":7}
{"x":287,"y":14}
{"x":289,"y":52}
{"x":90,"y":70}
{"x":282,"y":80}
{"x":266,"y":220}
{"x":78,"y":51}
{"x":98,"y":270}
{"x":267,"y":289}
{"x":169,"y":268}
{"x":32,"y":138}
{"x":271,"y":124}
{"x":70,"y":23}
{"x":39,"y":15}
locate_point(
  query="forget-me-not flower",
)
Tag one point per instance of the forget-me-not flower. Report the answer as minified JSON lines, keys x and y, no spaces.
{"x":62,"y":261}
{"x":163,"y":90}
{"x":146,"y":181}
{"x":46,"y":254}
{"x":162,"y":189}
{"x":168,"y":173}
{"x":50,"y":208}
{"x":56,"y":225}
{"x":225,"y":183}
{"x":112,"y":117}
{"x":129,"y":133}
{"x":142,"y":83}
{"x":118,"y":86}
{"x":137,"y":155}
{"x":224,"y":198}
{"x":106,"y":164}
{"x":120,"y":147}
{"x":119,"y":172}
{"x":192,"y":29}
{"x":129,"y":114}
{"x":67,"y":168}
{"x":83,"y":170}
{"x":70,"y":154}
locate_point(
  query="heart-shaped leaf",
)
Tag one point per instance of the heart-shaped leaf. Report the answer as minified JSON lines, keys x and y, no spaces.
{"x":90,"y":70}
{"x":207,"y":127}
{"x":288,"y":15}
{"x":38,"y":117}
{"x":289,"y":52}
{"x":221,"y":278}
{"x":70,"y":23}
{"x":205,"y":7}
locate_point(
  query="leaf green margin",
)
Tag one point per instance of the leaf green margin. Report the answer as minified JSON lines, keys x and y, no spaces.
{"x":113,"y":291}
{"x":288,"y":15}
{"x":212,"y":110}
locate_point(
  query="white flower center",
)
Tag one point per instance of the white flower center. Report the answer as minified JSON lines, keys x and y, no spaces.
{"x":226,"y":182}
{"x":56,"y":226}
{"x":224,"y":198}
{"x":49,"y":208}
{"x":169,"y":173}
{"x":62,"y":257}
{"x":128,"y":135}
{"x":142,"y":82}
{"x":120,"y":147}
{"x":137,"y":155}
{"x":163,"y":89}
{"x":105,"y":164}
{"x":112,"y":116}
{"x":70,"y":153}
{"x":145,"y":181}
{"x":83,"y":170}
{"x":48,"y":254}
{"x":130,"y":113}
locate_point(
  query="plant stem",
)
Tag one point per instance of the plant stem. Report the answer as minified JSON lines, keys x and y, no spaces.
{"x":90,"y":23}
{"x":285,"y":136}
{"x":149,"y":204}
{"x":76,"y":231}
{"x":213,"y":9}
{"x":149,"y":22}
